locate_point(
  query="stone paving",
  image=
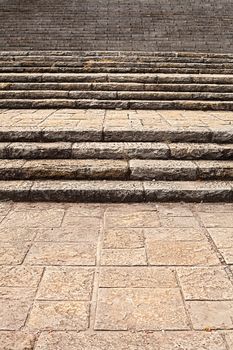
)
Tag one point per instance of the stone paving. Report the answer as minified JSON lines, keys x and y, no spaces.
{"x":114,"y":120}
{"x":116,"y":276}
{"x":162,"y":25}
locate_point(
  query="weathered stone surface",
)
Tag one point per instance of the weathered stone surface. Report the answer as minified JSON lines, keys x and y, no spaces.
{"x":61,"y":254}
{"x":137,"y":277}
{"x":200,"y":151}
{"x":20,"y":276}
{"x":123,"y":238}
{"x":210,"y":169}
{"x":87,"y":191}
{"x":66,"y":283}
{"x":34,"y":218}
{"x":123,"y":257}
{"x":38,"y":150}
{"x":180,"y":253}
{"x":140,"y":309}
{"x":217,"y":219}
{"x":13,"y":313}
{"x":137,"y":219}
{"x":13,"y":253}
{"x":211,"y":314}
{"x":59,"y":315}
{"x":206,"y":283}
{"x":69,"y":233}
{"x":17,"y":234}
{"x":190,"y":191}
{"x":20,"y":340}
{"x":179,"y":221}
{"x":162,"y":170}
{"x":229,"y":339}
{"x":130,"y":340}
{"x":175,"y":233}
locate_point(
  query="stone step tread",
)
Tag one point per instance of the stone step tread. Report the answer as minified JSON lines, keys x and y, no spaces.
{"x":173,"y":87}
{"x":112,"y":95}
{"x":117,"y":191}
{"x":118,"y":104}
{"x":132,"y":70}
{"x":102,"y":169}
{"x":216,"y":134}
{"x":115,"y":150}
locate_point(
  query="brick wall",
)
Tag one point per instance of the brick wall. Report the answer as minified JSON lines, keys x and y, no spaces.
{"x":153,"y":25}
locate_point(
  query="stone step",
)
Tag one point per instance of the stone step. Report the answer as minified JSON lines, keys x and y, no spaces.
{"x":117,"y":191}
{"x":117,"y":87}
{"x":118,"y":78}
{"x":117,"y":104}
{"x":168,"y":134}
{"x":109,"y":169}
{"x":106,"y":95}
{"x":109,"y":69}
{"x":115,"y":150}
{"x":115,"y":95}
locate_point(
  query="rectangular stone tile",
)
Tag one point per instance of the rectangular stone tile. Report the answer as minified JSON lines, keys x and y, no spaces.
{"x":13,"y":253}
{"x":180,"y":253}
{"x":211,"y":314}
{"x":130,"y":340}
{"x":85,"y":209}
{"x":17,"y":293}
{"x":8,"y":234}
{"x":82,"y":223}
{"x":59,"y":315}
{"x":215,"y":207}
{"x":34,"y":218}
{"x":20,"y":340}
{"x":124,"y":257}
{"x":206,"y":283}
{"x":66,"y":283}
{"x":217,"y":219}
{"x":223,"y":237}
{"x":140,"y":309}
{"x":123,"y":238}
{"x":175,"y":233}
{"x":61,"y":254}
{"x":115,"y":208}
{"x":68,"y":234}
{"x":137,"y":277}
{"x":20,"y":276}
{"x":138,"y":219}
{"x":178,"y":221}
{"x":174,"y":209}
{"x":13,"y":313}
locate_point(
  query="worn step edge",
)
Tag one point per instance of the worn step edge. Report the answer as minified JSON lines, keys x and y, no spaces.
{"x":111,"y":77}
{"x":115,"y":150}
{"x":16,"y":70}
{"x":9,"y":86}
{"x":113,"y":104}
{"x":116,"y":191}
{"x":99,"y":169}
{"x":115,"y":95}
{"x":223,"y":134}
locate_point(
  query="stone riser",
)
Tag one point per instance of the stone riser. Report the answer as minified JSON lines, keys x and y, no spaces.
{"x":117,"y":78}
{"x":9,"y":86}
{"x":115,"y":104}
{"x":116,"y":191}
{"x":116,"y":150}
{"x":171,"y":134}
{"x":98,"y":169}
{"x":116,"y":95}
{"x":116,"y":70}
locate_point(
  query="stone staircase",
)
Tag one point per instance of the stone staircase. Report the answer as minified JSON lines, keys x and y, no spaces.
{"x":145,"y":150}
{"x":116,"y":80}
{"x":66,"y":164}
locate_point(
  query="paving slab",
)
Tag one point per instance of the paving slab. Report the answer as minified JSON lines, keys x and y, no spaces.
{"x":107,"y":276}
